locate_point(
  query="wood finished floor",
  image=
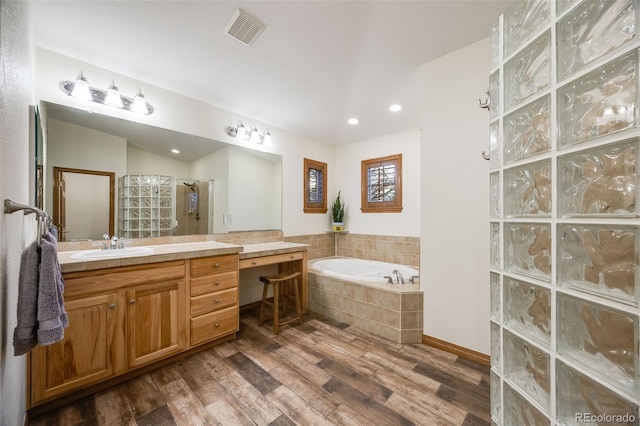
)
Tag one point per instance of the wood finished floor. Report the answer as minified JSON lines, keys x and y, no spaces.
{"x":319,"y":373}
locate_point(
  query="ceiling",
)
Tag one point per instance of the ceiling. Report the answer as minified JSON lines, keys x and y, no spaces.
{"x":316,"y":64}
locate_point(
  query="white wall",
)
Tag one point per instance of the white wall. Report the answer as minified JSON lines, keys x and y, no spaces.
{"x":16,"y":94}
{"x":347,"y":180}
{"x":249,"y":176}
{"x":141,"y":162}
{"x":454,"y":247}
{"x":87,"y":205}
{"x":67,"y":145}
{"x":180,"y":113}
{"x":215,"y":166}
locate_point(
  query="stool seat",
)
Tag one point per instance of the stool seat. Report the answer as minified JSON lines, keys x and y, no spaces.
{"x":284,"y":285}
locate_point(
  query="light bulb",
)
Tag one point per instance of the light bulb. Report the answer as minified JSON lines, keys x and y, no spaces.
{"x":113,"y":96}
{"x":241,"y":132}
{"x":266,"y":138}
{"x":140,"y":104}
{"x":255,"y":137}
{"x":81,"y":88}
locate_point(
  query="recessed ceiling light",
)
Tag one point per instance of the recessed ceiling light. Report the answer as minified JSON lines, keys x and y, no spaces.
{"x":395,"y":107}
{"x":353,"y":121}
{"x":175,"y":151}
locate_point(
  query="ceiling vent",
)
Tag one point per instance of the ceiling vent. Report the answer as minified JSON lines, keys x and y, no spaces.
{"x":244,"y":27}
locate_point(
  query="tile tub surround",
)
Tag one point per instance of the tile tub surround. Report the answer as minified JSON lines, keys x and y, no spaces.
{"x":393,"y":311}
{"x":320,"y":245}
{"x":384,"y":248}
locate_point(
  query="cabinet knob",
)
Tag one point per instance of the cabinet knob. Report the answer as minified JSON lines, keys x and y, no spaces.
{"x":112,"y":306}
{"x":132,"y":302}
{"x":293,"y":257}
{"x":217,"y":300}
{"x":217,"y":325}
{"x":216,"y":265}
{"x":254,"y":263}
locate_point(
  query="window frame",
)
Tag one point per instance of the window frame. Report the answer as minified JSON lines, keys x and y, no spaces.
{"x":309,"y":206}
{"x":394,"y":206}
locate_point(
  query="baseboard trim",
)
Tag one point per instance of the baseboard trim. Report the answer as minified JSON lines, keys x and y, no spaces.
{"x":461,"y":351}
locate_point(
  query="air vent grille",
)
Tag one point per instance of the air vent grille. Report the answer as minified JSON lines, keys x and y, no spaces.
{"x":244,"y":27}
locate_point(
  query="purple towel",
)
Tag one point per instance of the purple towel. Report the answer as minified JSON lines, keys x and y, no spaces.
{"x":41,"y":314}
{"x":52,"y":317}
{"x":24,"y":335}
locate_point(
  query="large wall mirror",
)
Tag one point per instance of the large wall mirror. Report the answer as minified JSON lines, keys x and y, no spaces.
{"x":166,"y":183}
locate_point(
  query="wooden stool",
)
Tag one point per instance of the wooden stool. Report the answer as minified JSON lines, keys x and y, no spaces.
{"x":279,"y":283}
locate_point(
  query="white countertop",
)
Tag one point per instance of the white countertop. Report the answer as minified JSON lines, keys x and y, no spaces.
{"x":179,"y":251}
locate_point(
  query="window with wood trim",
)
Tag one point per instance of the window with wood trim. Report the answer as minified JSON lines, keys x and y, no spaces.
{"x":315,"y":186}
{"x":382,"y":185}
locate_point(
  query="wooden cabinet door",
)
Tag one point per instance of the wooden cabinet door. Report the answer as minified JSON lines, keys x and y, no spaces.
{"x":90,"y":351}
{"x":156,"y":321}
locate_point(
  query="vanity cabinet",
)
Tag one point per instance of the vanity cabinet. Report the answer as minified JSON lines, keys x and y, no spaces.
{"x":213,"y":298}
{"x":89,"y":352}
{"x":119,"y":319}
{"x":156,"y":321}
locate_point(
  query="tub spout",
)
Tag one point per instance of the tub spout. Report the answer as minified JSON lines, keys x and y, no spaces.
{"x":389,"y":279}
{"x":399,"y":276}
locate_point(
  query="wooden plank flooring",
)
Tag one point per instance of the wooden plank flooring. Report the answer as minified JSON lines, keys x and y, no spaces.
{"x":319,"y":373}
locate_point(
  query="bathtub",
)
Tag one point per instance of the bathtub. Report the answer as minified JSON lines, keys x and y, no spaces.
{"x":356,"y":292}
{"x":364,"y":270}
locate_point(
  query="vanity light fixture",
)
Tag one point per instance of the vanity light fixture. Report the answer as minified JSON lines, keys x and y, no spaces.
{"x":81,"y":89}
{"x":254,"y":136}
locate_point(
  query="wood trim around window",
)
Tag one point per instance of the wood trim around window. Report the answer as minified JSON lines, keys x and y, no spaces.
{"x":389,"y":206}
{"x":317,"y":204}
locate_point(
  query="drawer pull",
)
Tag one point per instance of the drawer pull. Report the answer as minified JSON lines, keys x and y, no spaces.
{"x":293,"y":257}
{"x":112,"y":306}
{"x":132,"y":302}
{"x":216,"y":265}
{"x":217,"y":325}
{"x":254,"y":263}
{"x":217,"y":300}
{"x":216,"y":283}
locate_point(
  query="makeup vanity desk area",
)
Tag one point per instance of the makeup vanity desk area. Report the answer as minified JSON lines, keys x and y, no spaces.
{"x":131,"y":314}
{"x":290,"y":257}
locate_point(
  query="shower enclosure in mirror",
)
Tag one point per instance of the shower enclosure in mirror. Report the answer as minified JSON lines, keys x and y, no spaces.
{"x":208,"y":187}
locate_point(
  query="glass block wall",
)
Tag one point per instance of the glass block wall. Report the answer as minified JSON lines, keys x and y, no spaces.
{"x":145,"y":206}
{"x":565,"y":229}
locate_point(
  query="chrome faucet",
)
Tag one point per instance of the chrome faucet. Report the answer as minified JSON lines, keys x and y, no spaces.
{"x":412,"y":280}
{"x":389,"y":279}
{"x":399,"y":276}
{"x":101,"y":244}
{"x":114,"y":243}
{"x":123,"y":242}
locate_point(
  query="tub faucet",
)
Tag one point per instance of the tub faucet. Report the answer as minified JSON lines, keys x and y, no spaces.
{"x":399,"y":276}
{"x":389,"y":279}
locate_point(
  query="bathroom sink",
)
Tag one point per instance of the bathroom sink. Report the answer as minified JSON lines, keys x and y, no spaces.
{"x":112,"y":254}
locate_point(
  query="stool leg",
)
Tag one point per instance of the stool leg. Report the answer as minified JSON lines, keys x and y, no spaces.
{"x":297,"y":295}
{"x":264,"y":298}
{"x":276,"y":303}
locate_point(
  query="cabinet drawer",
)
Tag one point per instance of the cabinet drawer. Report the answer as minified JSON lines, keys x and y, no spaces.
{"x":211,"y":283}
{"x":213,"y":265}
{"x":213,"y":301}
{"x":270,"y":260}
{"x":213,"y":325}
{"x":102,"y":280}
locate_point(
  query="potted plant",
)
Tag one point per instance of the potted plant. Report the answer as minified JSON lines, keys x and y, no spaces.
{"x":337,"y":214}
